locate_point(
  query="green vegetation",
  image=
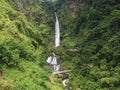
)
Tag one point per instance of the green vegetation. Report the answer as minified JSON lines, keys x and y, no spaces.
{"x":25,"y":32}
{"x":91,"y":27}
{"x":90,"y":43}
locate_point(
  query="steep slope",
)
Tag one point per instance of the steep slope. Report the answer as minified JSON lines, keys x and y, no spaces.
{"x":25,"y":29}
{"x":91,"y":27}
{"x":90,"y":43}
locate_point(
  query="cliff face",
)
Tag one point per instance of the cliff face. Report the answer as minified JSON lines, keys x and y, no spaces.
{"x":78,"y":15}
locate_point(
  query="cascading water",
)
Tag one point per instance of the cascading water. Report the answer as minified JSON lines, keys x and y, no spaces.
{"x":53,"y":59}
{"x":57,"y":32}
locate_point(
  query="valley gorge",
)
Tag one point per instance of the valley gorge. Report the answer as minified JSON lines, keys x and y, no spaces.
{"x":88,"y":44}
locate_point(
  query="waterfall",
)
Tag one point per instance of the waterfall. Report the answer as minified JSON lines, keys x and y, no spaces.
{"x":53,"y":61}
{"x":57,"y":32}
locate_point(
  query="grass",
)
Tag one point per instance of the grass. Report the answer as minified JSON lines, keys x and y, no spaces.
{"x":29,"y":76}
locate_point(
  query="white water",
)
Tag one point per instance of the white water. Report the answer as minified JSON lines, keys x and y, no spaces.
{"x":53,"y":61}
{"x":57,"y":32}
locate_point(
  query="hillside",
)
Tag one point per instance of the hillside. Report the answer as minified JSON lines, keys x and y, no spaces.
{"x":90,"y":43}
{"x":25,"y":30}
{"x":91,"y":27}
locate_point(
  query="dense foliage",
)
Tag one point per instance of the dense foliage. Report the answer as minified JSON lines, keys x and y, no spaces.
{"x":25,"y":30}
{"x":90,"y":43}
{"x":91,"y":27}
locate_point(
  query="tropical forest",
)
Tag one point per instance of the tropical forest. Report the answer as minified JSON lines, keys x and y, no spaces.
{"x":59,"y":44}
